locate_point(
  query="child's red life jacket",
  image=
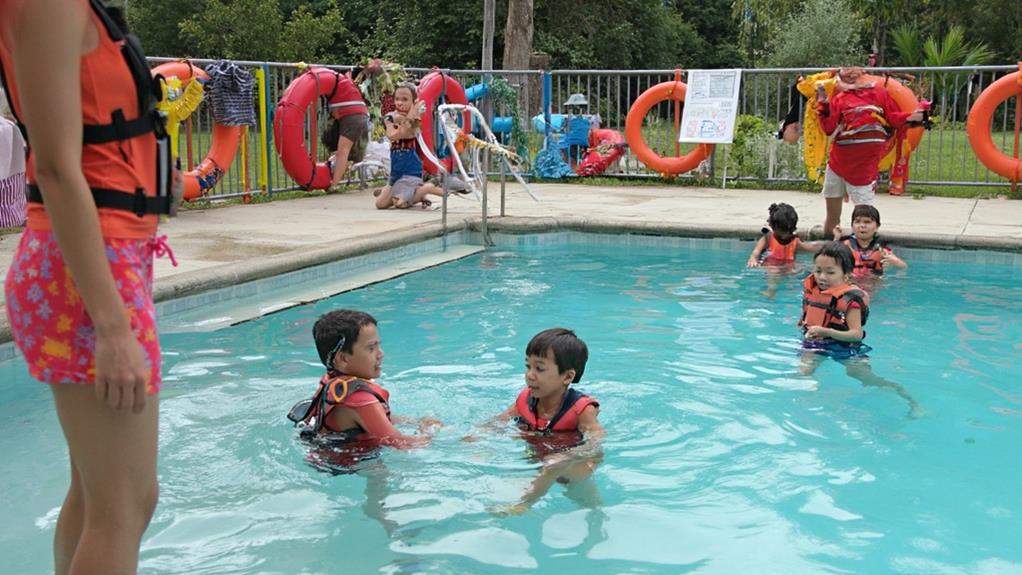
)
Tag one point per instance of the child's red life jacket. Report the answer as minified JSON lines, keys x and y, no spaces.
{"x":572,"y":406}
{"x":337,"y":389}
{"x":829,"y":307}
{"x":868,"y":260}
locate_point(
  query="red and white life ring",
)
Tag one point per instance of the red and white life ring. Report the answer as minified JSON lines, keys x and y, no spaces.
{"x":220,"y":156}
{"x":438,"y":88}
{"x":289,"y":125}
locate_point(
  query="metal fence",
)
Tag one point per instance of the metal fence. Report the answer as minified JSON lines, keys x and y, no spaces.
{"x":943,"y":157}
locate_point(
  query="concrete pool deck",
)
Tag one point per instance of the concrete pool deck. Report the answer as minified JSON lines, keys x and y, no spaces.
{"x":227,"y":245}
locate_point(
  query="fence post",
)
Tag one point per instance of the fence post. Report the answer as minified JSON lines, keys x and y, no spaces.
{"x":265,"y":129}
{"x":547,"y":96}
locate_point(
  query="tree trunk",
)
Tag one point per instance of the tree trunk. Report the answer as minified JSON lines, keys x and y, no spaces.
{"x":518,"y":35}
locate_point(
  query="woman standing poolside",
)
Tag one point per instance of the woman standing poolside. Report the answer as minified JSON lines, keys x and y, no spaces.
{"x":79,"y":291}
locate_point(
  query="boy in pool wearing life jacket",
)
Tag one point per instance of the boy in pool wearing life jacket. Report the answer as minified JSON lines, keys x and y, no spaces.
{"x":348,"y":404}
{"x":554,"y":359}
{"x":870,"y":253}
{"x":834,"y":314}
{"x":779,"y":245}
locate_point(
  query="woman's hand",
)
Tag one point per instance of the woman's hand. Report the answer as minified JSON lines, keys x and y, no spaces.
{"x":122,"y":371}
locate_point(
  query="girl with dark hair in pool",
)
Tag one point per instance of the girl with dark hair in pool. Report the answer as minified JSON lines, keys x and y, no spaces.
{"x":834,"y":315}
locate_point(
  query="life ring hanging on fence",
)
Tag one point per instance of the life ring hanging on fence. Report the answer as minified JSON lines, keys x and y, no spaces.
{"x":673,"y":91}
{"x":438,"y":88}
{"x":907,"y":102}
{"x":980,"y":122}
{"x":289,"y":123}
{"x":224,"y":147}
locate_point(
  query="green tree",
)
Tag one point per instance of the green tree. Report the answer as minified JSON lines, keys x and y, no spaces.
{"x":156,"y":24}
{"x":309,"y":36}
{"x":824,"y":34}
{"x":613,"y":34}
{"x":717,"y":42}
{"x":236,"y":29}
{"x":996,"y":24}
{"x":758,"y":21}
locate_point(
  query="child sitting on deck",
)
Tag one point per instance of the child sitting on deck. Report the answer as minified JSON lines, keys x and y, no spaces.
{"x":405,"y":187}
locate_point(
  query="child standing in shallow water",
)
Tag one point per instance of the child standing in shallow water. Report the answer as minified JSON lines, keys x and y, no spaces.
{"x":834,"y":314}
{"x":348,"y":404}
{"x":405,"y":187}
{"x":779,"y":245}
{"x":870,"y":254}
{"x":548,"y":407}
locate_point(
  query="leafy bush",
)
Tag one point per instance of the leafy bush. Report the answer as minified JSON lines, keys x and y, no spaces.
{"x":747,"y":154}
{"x":824,"y":34}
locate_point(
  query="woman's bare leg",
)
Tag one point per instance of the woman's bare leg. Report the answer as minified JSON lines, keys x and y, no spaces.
{"x":114,"y":459}
{"x":69,"y":525}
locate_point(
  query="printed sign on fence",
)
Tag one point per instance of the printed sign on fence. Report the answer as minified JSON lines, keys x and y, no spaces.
{"x":711,"y":106}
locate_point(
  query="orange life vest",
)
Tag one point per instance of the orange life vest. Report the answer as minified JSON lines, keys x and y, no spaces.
{"x":829,"y":307}
{"x":868,"y":260}
{"x":778,"y":253}
{"x":566,"y":419}
{"x":121,"y":132}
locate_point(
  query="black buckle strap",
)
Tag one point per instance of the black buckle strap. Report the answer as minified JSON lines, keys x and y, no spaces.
{"x":119,"y":129}
{"x":136,"y":202}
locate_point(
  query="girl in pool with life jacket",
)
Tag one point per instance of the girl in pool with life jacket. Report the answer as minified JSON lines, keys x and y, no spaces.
{"x":777,"y":248}
{"x":834,"y":315}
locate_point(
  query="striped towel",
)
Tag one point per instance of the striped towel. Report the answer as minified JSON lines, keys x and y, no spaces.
{"x":231,"y":90}
{"x":12,"y":175}
{"x":12,"y":201}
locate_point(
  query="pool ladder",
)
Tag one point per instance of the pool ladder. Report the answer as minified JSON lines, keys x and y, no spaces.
{"x":447,"y":114}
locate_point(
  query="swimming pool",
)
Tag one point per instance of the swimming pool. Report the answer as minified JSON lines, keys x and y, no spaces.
{"x":720,"y":457}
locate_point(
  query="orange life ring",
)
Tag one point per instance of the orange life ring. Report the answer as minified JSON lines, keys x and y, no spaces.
{"x":907,"y":102}
{"x":978,"y":126}
{"x":221,"y":153}
{"x":438,"y":88}
{"x":290,"y":120}
{"x":665,"y":91}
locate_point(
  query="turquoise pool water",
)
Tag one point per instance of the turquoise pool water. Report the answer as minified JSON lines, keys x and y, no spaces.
{"x":720,"y":457}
